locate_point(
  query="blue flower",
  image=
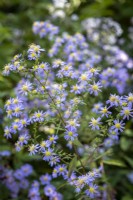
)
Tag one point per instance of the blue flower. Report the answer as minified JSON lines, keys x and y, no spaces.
{"x":33,"y":149}
{"x":23,"y":139}
{"x":45,"y":179}
{"x":92,"y":191}
{"x":34,"y":52}
{"x":44,"y":144}
{"x":49,"y":190}
{"x":71,"y":133}
{"x":38,"y":116}
{"x":95,"y":88}
{"x":48,"y":154}
{"x":54,"y":160}
{"x":94,"y":124}
{"x":126,"y":112}
{"x":7,"y":132}
{"x":61,"y":169}
{"x":52,"y":139}
{"x":118,"y":126}
{"x":114,"y":100}
{"x":104,"y":111}
{"x":27,"y":170}
{"x":25,"y":88}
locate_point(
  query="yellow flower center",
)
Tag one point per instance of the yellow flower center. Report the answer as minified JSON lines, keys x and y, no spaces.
{"x":94,"y":122}
{"x":130,"y":98}
{"x":61,"y":169}
{"x":66,"y":68}
{"x":25,"y":88}
{"x":47,"y":153}
{"x":95,"y":87}
{"x":113,"y":99}
{"x":51,"y":139}
{"x":7,"y":67}
{"x":92,"y":190}
{"x":43,"y":144}
{"x":23,"y":122}
{"x":15,"y":127}
{"x":92,"y":70}
{"x":38,"y":115}
{"x":75,"y":87}
{"x":83,"y":77}
{"x":17,"y":110}
{"x":9,"y":112}
{"x":33,"y":55}
{"x":70,"y":133}
{"x":31,"y":148}
{"x":104,"y":110}
{"x":117,"y":125}
{"x":21,"y":139}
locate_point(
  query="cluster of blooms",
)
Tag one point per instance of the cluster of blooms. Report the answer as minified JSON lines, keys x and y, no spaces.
{"x":49,"y":189}
{"x":75,"y":49}
{"x":58,"y":93}
{"x":123,"y":105}
{"x":45,"y":29}
{"x":102,"y":30}
{"x":15,"y":180}
{"x":42,"y":82}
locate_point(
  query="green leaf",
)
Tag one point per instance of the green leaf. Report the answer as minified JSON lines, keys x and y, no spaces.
{"x":118,"y":163}
{"x":124,"y":143}
{"x":129,"y":160}
{"x":72,"y":165}
{"x":77,"y":143}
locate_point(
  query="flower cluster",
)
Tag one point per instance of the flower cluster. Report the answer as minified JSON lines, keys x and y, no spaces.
{"x":15,"y":180}
{"x":55,"y":110}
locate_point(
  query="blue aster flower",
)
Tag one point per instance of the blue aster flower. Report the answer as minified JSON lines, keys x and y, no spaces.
{"x":33,"y":149}
{"x":54,"y":160}
{"x":114,"y":100}
{"x":27,"y":169}
{"x":126,"y":112}
{"x":7,"y":69}
{"x":52,"y":139}
{"x":71,"y":133}
{"x":49,"y":190}
{"x":94,"y":124}
{"x":38,"y":116}
{"x":25,"y":88}
{"x":15,"y":127}
{"x":48,"y":154}
{"x":118,"y":126}
{"x":24,"y":184}
{"x":96,"y":108}
{"x":129,"y":99}
{"x":44,"y":144}
{"x":7,"y":132}
{"x":17,"y":110}
{"x":95,"y":88}
{"x":61,"y":170}
{"x":92,"y":191}
{"x":76,"y":89}
{"x":45,"y":179}
{"x":105,"y":112}
{"x":23,"y":139}
{"x":34,"y":52}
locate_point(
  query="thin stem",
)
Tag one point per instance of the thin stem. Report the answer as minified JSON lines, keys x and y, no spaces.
{"x":75,"y":150}
{"x":52,"y":100}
